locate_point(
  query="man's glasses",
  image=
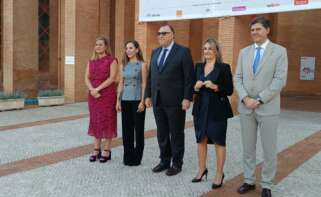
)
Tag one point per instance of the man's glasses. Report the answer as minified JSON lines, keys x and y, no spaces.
{"x":163,"y":33}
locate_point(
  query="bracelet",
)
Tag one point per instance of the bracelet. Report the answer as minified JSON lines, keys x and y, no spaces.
{"x":97,"y":89}
{"x":260,"y":100}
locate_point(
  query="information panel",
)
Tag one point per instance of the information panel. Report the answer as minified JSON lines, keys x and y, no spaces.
{"x":160,"y":10}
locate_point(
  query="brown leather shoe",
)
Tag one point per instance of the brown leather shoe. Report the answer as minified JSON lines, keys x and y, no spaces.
{"x":245,"y":188}
{"x":266,"y":193}
{"x":173,"y":171}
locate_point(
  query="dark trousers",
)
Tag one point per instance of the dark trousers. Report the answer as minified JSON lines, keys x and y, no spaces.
{"x":170,"y":123}
{"x":133,"y":132}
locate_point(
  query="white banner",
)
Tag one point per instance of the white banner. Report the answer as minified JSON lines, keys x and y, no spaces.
{"x":161,"y":10}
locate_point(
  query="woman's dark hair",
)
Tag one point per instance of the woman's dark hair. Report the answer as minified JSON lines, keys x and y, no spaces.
{"x":139,"y":54}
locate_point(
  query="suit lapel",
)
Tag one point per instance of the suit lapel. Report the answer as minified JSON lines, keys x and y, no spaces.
{"x":215,"y":72}
{"x":155,"y":57}
{"x":266,"y":55}
{"x":213,"y":75}
{"x":250,"y":58}
{"x":170,"y":56}
{"x":199,"y":70}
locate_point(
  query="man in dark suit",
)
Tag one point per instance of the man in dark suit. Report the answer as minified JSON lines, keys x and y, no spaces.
{"x":169,"y":90}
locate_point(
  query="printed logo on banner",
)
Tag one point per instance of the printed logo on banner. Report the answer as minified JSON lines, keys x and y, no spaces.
{"x":160,"y":10}
{"x":301,"y":2}
{"x":272,"y":5}
{"x":179,"y":13}
{"x":152,"y":15}
{"x":238,"y":8}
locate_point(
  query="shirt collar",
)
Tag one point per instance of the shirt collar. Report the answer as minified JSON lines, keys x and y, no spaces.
{"x":170,"y":46}
{"x":263,"y":46}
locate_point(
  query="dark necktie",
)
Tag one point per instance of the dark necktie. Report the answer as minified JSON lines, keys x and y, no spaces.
{"x":162,"y":59}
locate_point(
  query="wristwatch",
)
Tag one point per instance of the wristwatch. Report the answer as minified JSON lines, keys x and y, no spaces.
{"x":260,"y":100}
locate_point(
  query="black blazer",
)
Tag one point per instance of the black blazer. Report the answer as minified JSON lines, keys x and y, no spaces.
{"x":174,"y":82}
{"x":219,"y":103}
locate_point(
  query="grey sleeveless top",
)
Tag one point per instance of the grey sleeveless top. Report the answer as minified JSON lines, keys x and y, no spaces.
{"x":132,"y":77}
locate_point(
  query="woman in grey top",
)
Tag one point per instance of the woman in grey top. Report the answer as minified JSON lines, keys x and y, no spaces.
{"x":130,"y":101}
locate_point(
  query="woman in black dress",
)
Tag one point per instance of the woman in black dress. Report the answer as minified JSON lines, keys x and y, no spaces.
{"x":212,"y":109}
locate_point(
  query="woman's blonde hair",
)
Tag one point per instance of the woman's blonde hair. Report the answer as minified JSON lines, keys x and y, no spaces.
{"x":215,"y":46}
{"x":107,"y":44}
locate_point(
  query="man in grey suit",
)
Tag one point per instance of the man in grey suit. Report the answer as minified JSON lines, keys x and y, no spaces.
{"x":260,"y":76}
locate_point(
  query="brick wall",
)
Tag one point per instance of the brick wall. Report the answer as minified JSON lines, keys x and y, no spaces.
{"x":87,"y":18}
{"x":24,"y":46}
{"x":98,"y":18}
{"x":300,"y":33}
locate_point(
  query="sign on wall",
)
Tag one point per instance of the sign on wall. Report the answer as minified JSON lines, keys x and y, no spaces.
{"x":160,"y":10}
{"x":307,"y":68}
{"x":69,"y":60}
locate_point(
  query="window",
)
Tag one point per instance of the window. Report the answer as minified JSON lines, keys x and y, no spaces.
{"x":43,"y":35}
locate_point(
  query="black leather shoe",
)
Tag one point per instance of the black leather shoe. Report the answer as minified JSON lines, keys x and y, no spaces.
{"x":173,"y":171}
{"x":196,"y":180}
{"x":266,"y":193}
{"x":245,"y":188}
{"x":216,"y":186}
{"x":134,"y":163}
{"x":160,"y":167}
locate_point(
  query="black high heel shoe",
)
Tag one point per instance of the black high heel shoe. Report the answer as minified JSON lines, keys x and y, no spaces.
{"x":94,"y":157}
{"x":196,"y":180}
{"x":104,"y":159}
{"x":215,"y":186}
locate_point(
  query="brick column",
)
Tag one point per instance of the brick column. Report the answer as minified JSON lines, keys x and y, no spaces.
{"x":79,"y":44}
{"x":210,"y":29}
{"x":20,"y":46}
{"x":233,"y":35}
{"x":182,"y":31}
{"x":145,"y":34}
{"x":141,"y":36}
{"x":124,"y":25}
{"x":7,"y":44}
{"x":105,"y":18}
{"x":69,"y":49}
{"x":119,"y":28}
{"x":195,"y":43}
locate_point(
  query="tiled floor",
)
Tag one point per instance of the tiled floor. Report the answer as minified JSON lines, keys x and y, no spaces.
{"x":44,"y":152}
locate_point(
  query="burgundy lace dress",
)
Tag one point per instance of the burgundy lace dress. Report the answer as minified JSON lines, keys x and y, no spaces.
{"x":102,"y":111}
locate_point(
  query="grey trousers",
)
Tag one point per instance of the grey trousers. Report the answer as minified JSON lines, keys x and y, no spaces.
{"x":267,"y":125}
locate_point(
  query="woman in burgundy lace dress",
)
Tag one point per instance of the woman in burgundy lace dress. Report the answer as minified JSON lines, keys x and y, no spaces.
{"x":101,"y":73}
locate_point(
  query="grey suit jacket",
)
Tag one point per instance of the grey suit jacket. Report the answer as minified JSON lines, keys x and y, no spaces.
{"x":268,"y":81}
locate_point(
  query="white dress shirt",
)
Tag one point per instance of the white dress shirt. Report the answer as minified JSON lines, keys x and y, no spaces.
{"x":169,"y":48}
{"x":263,"y":47}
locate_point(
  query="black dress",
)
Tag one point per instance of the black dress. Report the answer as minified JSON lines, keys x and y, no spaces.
{"x":210,"y":119}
